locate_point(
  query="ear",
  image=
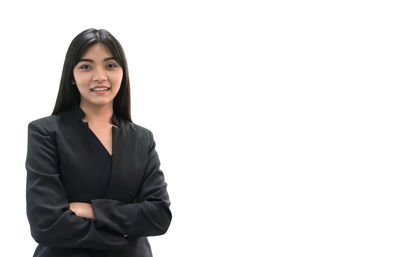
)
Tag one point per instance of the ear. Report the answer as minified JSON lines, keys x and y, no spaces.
{"x":73,"y":82}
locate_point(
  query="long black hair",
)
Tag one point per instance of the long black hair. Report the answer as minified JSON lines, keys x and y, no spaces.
{"x":68,"y":94}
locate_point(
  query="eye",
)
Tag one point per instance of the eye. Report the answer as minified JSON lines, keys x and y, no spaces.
{"x":111,"y":65}
{"x":84,"y":67}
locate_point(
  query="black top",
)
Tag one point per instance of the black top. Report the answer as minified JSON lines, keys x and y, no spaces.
{"x":103,"y":160}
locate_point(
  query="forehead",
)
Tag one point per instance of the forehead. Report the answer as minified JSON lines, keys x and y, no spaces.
{"x":98,"y":50}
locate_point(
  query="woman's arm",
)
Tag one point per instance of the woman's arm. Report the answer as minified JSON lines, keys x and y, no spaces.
{"x":51,"y":221}
{"x":83,"y":210}
{"x":149,"y":215}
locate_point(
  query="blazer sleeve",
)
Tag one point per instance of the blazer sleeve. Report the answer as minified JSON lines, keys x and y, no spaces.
{"x":149,"y":214}
{"x":51,"y":221}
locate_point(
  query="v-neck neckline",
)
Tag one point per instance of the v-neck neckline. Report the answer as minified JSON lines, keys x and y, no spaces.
{"x":98,"y":140}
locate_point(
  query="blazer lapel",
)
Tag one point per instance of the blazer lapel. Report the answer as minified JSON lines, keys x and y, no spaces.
{"x":77,"y":134}
{"x":90,"y":177}
{"x":116,"y":143}
{"x":123,"y":184}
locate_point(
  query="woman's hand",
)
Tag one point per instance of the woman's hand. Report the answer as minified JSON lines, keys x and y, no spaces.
{"x":82,"y":209}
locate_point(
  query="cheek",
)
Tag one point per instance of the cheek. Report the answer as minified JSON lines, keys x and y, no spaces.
{"x":117,"y":79}
{"x":120,"y":76}
{"x":81,"y":78}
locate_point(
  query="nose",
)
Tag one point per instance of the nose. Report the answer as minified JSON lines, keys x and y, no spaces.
{"x":99,"y":75}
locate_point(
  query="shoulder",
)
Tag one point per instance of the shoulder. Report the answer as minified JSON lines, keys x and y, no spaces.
{"x":44,"y":127}
{"x":139,"y":131}
{"x":51,"y":124}
{"x":45,"y":123}
{"x":140,"y":135}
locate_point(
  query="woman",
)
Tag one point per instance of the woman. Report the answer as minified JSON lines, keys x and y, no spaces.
{"x":94,"y":186}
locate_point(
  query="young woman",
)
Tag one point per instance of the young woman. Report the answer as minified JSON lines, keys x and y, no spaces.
{"x":94,"y":184}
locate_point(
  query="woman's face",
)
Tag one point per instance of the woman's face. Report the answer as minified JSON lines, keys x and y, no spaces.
{"x":98,"y":76}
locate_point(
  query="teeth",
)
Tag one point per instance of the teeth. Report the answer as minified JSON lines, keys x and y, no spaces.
{"x":100,"y":89}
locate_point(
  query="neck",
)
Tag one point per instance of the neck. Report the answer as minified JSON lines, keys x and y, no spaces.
{"x":97,"y":114}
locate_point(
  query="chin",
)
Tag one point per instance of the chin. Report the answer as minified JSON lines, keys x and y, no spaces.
{"x":99,"y":103}
{"x":102,"y":103}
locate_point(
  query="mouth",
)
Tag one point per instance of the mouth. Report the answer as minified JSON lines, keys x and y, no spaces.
{"x":100,"y":89}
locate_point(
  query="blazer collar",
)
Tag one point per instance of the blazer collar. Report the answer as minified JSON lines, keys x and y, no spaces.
{"x":78,"y":114}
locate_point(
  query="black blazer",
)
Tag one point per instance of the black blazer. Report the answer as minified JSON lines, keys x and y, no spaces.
{"x":60,"y":170}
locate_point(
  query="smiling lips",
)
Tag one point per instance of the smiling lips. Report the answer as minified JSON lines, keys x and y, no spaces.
{"x":100,"y":90}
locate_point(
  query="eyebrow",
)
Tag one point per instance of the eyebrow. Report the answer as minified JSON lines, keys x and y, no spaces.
{"x":90,"y":60}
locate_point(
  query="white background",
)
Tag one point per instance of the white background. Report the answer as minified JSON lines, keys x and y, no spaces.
{"x":276,"y":122}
